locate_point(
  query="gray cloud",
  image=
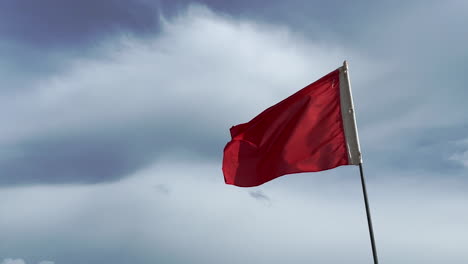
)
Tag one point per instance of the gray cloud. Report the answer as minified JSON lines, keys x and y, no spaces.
{"x":103,"y":119}
{"x":53,"y":23}
{"x":127,"y":220}
{"x":147,"y":107}
{"x":385,"y":105}
{"x":40,"y":38}
{"x":98,"y":156}
{"x":162,"y":189}
{"x":259,"y":195}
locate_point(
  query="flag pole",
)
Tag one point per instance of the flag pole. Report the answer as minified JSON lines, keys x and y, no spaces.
{"x":352,"y":140}
{"x":369,"y":219}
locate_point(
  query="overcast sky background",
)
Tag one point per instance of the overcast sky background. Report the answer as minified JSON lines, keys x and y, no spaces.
{"x":114,"y":115}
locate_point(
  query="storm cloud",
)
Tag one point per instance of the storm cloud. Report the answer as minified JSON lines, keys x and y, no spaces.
{"x":114,"y":117}
{"x":102,"y":120}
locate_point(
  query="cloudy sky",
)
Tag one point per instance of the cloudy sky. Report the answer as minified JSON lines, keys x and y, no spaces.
{"x":114,"y":115}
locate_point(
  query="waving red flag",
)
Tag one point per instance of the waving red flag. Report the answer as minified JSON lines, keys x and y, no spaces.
{"x":312,"y":130}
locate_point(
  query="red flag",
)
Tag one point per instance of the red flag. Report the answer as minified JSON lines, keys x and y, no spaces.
{"x":312,"y":130}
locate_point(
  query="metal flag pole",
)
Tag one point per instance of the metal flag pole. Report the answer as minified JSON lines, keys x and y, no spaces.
{"x":369,"y":219}
{"x":352,"y":141}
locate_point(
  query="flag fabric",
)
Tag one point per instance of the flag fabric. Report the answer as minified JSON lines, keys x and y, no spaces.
{"x":312,"y":130}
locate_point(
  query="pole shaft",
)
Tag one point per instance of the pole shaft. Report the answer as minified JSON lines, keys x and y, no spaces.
{"x":369,"y":220}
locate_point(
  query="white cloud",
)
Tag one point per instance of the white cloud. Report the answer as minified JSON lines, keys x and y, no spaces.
{"x":13,"y":261}
{"x":21,"y":261}
{"x":461,"y":156}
